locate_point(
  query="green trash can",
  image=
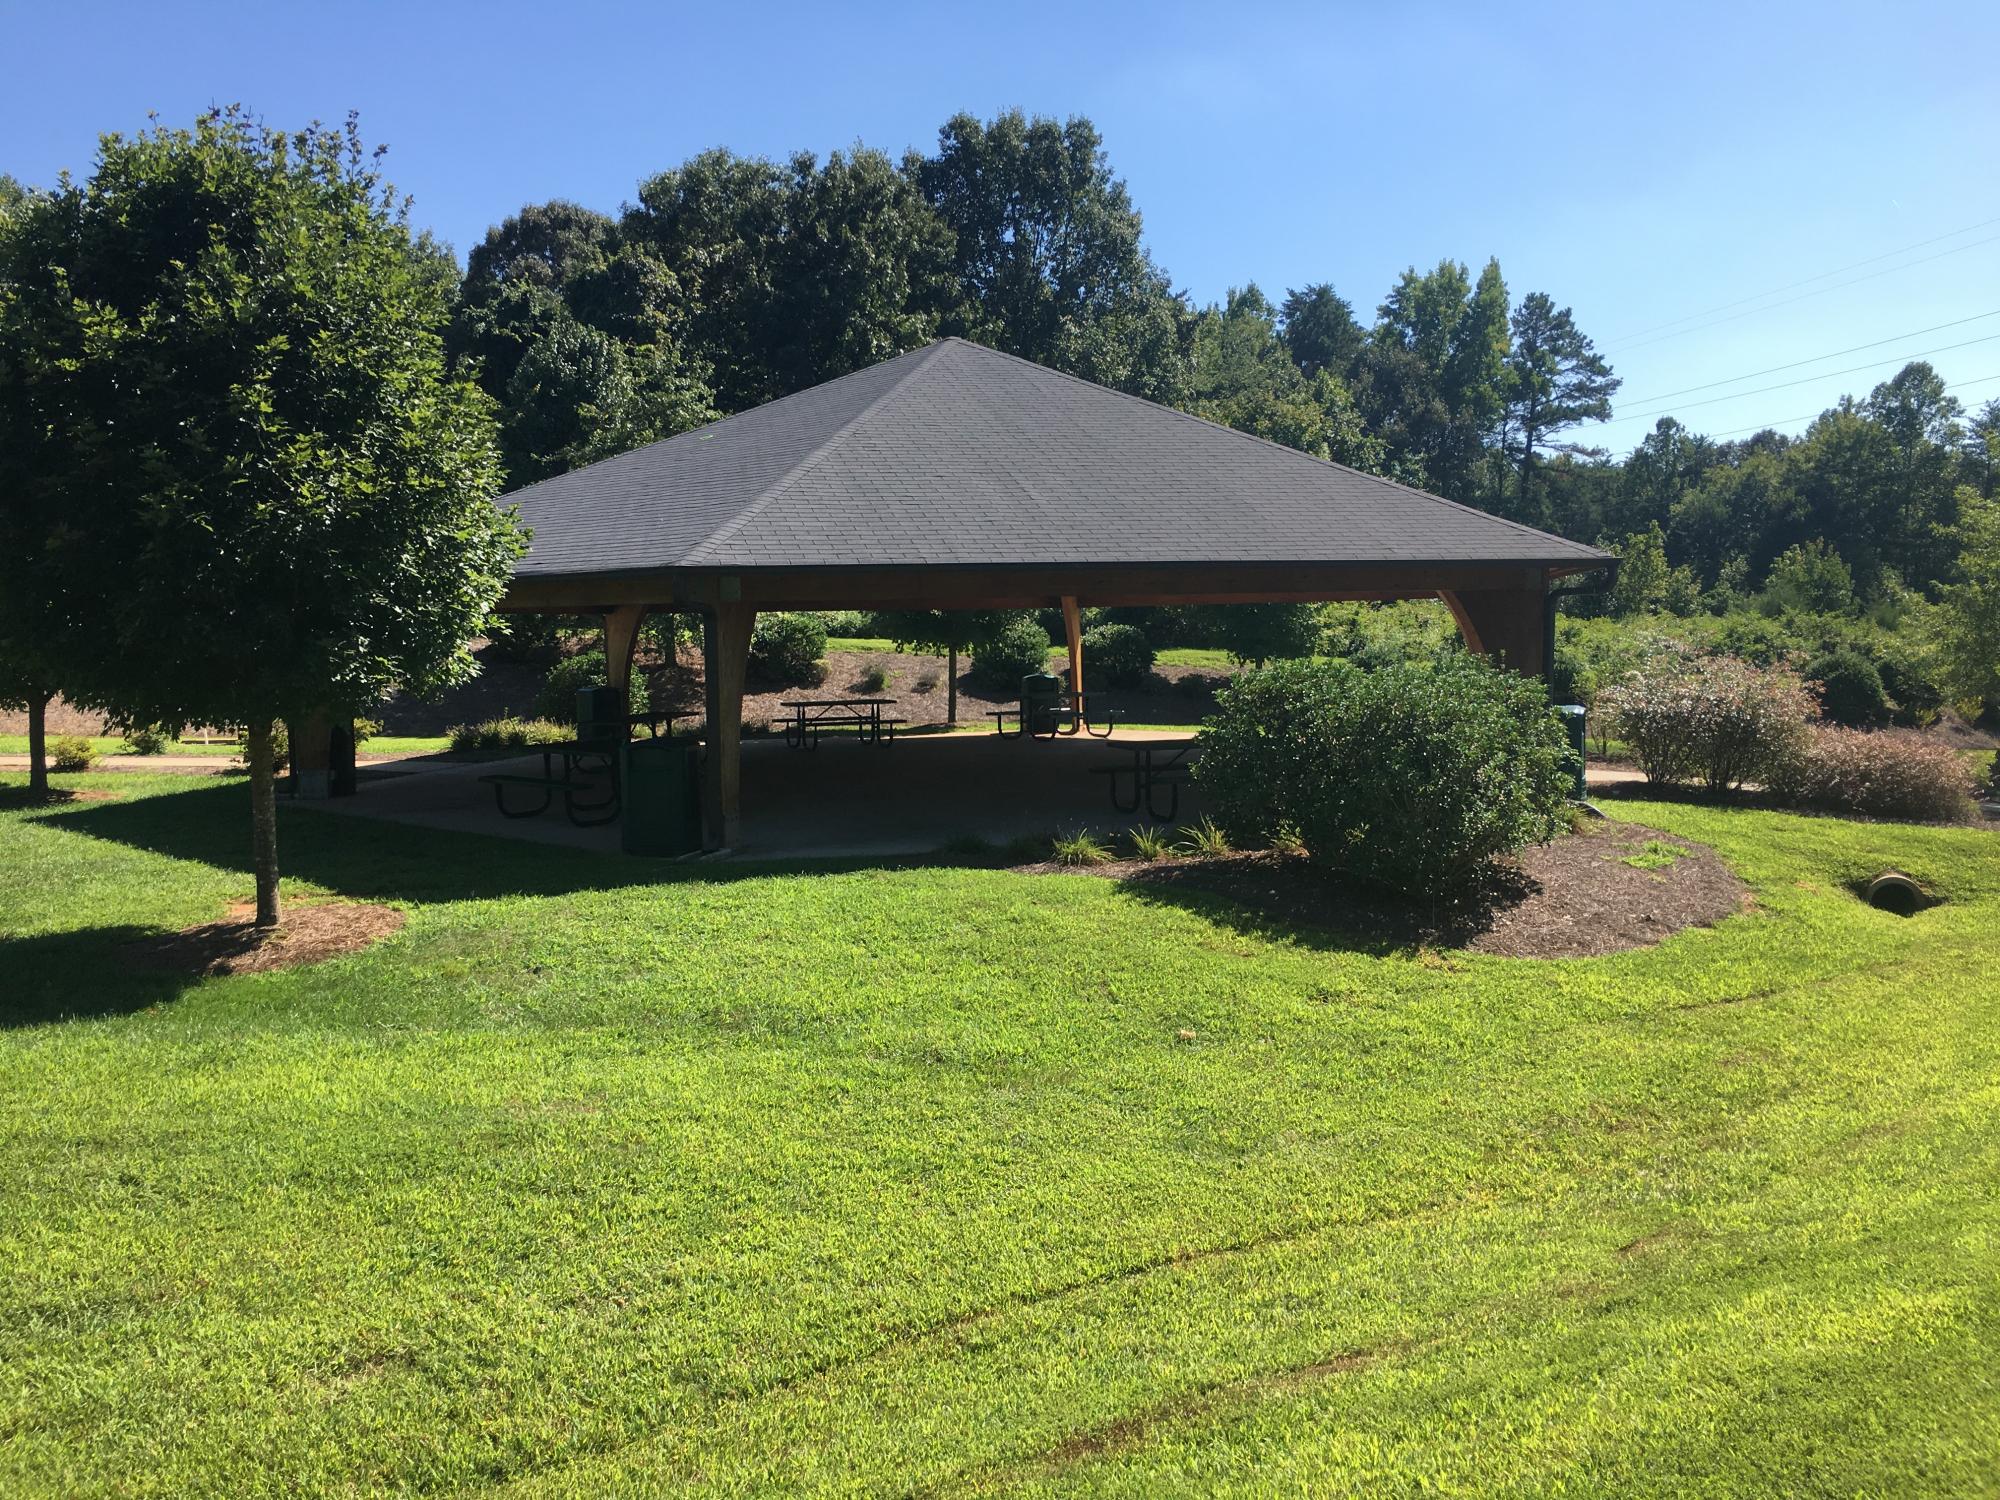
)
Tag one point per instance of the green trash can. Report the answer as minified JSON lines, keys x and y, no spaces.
{"x":1573,"y":717}
{"x":661,"y":811}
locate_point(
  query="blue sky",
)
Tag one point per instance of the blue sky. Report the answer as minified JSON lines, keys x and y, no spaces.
{"x":1642,"y":164}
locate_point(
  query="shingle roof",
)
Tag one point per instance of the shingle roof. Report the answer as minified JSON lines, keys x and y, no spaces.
{"x":956,"y":455}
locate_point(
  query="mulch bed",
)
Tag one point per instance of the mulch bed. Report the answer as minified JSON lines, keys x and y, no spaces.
{"x":1607,"y":888}
{"x":55,"y":796}
{"x":236,"y":945}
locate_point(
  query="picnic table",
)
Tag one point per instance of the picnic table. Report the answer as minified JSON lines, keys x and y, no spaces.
{"x":1154,"y":765}
{"x":1045,"y":718}
{"x":812,"y":717}
{"x":587,"y":782}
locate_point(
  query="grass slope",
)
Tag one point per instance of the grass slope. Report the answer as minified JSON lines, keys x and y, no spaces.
{"x":600,"y":1178}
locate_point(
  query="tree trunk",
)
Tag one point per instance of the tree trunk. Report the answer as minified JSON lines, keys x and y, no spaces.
{"x":264,"y":823}
{"x":38,"y":746}
{"x":951,"y":690}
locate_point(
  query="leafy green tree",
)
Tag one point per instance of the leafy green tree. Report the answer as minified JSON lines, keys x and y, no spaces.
{"x":1048,"y":256}
{"x":797,"y":273}
{"x":578,"y":337}
{"x":1979,"y":448}
{"x":1811,"y":578}
{"x":1431,"y":382}
{"x":224,"y":350}
{"x":1244,"y":378}
{"x":1262,"y":633}
{"x":1966,"y":626}
{"x":1320,"y":331}
{"x":944,"y":632}
{"x":1555,"y":379}
{"x":1922,"y":421}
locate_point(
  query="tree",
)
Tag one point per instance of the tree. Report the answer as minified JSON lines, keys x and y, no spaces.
{"x":224,"y":356}
{"x":1979,"y":449}
{"x":1262,"y":633}
{"x":1320,"y":331}
{"x":1811,"y":578}
{"x":1244,"y":378}
{"x":943,"y":632}
{"x":1431,"y":379}
{"x":1047,"y":252}
{"x":578,"y":337}
{"x":799,"y":273}
{"x":1555,"y":379}
{"x":1966,"y":626}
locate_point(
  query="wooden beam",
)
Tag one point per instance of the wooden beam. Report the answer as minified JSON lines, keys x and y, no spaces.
{"x":725,"y":661}
{"x":1024,"y":587}
{"x":621,"y":634}
{"x":1073,"y":629}
{"x":1502,"y":624}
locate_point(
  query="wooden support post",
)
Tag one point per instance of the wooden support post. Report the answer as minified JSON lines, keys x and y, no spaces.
{"x":310,"y":743}
{"x":1073,"y":628}
{"x":621,"y":634}
{"x":1503,"y":624}
{"x":725,"y":639}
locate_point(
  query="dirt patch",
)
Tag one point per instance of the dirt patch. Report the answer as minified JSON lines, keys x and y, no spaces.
{"x":236,"y":945}
{"x":1607,"y":888}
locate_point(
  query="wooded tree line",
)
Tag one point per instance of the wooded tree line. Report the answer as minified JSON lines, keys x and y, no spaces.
{"x":732,"y":280}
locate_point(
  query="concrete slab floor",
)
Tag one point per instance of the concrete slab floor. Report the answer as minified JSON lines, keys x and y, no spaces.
{"x":843,"y":800}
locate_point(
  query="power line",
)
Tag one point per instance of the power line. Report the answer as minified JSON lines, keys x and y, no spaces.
{"x":1806,"y":416}
{"x":1807,"y":280}
{"x":1774,"y":369}
{"x":1908,"y":265}
{"x":1782,"y":385}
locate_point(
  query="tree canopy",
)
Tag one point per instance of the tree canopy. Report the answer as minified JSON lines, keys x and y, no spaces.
{"x":224,"y":360}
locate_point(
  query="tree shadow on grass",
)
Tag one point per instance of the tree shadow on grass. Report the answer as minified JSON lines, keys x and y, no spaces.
{"x":82,"y":975}
{"x":378,"y":860}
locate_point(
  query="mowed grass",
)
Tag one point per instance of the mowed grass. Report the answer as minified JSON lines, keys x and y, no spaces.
{"x":602,"y":1178}
{"x":381,"y":744}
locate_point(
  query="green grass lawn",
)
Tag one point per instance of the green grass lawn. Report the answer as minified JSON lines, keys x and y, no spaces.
{"x":381,"y":744}
{"x":608,"y":1178}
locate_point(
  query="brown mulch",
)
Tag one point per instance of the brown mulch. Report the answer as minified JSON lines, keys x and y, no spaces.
{"x":236,"y":945}
{"x":55,"y":796}
{"x":1577,"y":897}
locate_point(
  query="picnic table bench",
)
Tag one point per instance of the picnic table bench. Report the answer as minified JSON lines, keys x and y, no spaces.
{"x":1153,"y":766}
{"x":588,"y":782}
{"x":1045,"y":718}
{"x":863,"y":717}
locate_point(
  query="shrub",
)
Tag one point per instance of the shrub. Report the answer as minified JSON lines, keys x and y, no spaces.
{"x":71,"y":752}
{"x":1116,"y":656}
{"x":1708,"y":719}
{"x":785,"y":650}
{"x":1080,"y":849}
{"x":1889,"y":773}
{"x":849,"y":622}
{"x":145,"y":739}
{"x":874,"y":678}
{"x":1206,"y":837}
{"x":1001,"y":660}
{"x":281,"y":745}
{"x":557,"y":699}
{"x":1850,"y":689}
{"x":1411,"y":776}
{"x":509,"y":733}
{"x":1150,"y":843}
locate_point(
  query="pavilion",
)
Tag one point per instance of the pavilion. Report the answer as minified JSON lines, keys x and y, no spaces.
{"x":957,"y":477}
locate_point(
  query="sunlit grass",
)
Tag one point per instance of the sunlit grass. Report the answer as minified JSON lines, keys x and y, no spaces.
{"x":606,"y":1177}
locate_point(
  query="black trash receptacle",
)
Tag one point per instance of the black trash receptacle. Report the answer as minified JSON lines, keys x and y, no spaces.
{"x":1574,"y":716}
{"x":1041,"y":692}
{"x":661,"y":804}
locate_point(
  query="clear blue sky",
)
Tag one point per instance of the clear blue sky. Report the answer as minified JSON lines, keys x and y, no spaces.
{"x":1642,"y":164}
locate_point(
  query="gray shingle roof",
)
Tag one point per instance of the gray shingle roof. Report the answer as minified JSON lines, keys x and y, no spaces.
{"x":957,"y":455}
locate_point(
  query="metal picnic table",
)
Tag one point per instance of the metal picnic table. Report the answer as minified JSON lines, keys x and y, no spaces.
{"x":588,"y":782}
{"x":812,"y":717}
{"x":1154,"y":765}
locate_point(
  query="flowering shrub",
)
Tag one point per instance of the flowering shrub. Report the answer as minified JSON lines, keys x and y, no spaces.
{"x":1888,"y":774}
{"x":1411,"y":776}
{"x":1713,"y":720}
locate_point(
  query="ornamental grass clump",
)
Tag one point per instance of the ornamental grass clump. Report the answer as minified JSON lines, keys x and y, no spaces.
{"x":1712,"y":721}
{"x":1411,"y":776}
{"x":1885,"y":774}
